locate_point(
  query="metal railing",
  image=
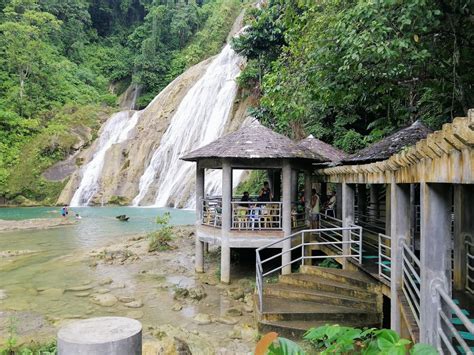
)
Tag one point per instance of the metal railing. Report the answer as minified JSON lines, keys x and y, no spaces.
{"x":411,"y":280}
{"x":448,"y":335}
{"x":385,"y":257}
{"x":469,"y":245}
{"x":256,"y":215}
{"x":354,"y":251}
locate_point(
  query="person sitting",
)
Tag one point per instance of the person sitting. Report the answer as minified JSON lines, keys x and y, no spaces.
{"x":265,"y":194}
{"x":245,"y":198}
{"x":329,"y":208}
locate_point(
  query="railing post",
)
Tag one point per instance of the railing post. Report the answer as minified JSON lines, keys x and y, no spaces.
{"x":347,"y":218}
{"x":435,"y":261}
{"x":399,"y":231}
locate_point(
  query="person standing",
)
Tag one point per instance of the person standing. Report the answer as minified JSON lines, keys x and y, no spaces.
{"x":315,"y":209}
{"x":265,"y":194}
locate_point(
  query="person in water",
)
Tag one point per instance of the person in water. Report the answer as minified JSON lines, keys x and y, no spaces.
{"x":265,"y":194}
{"x":64,"y":211}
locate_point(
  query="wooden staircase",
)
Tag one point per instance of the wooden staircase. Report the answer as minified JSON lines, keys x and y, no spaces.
{"x":317,"y":296}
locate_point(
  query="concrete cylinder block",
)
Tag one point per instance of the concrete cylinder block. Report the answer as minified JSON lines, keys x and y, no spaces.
{"x":101,"y":336}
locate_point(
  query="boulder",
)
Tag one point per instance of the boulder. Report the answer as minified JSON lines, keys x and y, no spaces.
{"x":202,"y":319}
{"x":104,"y":300}
{"x":134,"y":304}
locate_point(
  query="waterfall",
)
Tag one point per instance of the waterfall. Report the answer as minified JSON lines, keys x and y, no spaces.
{"x":199,"y":119}
{"x":116,"y":130}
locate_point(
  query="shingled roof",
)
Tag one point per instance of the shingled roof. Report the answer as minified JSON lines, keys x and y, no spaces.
{"x":253,"y":141}
{"x":327,"y":151}
{"x":390,"y":145}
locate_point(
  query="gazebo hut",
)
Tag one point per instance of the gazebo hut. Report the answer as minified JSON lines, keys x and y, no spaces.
{"x":221,"y":221}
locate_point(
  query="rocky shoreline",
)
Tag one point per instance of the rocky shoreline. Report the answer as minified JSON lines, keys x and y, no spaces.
{"x":195,"y":314}
{"x":35,"y":223}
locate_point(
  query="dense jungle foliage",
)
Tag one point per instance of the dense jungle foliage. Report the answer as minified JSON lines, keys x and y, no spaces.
{"x":63,"y":64}
{"x":352,"y":71}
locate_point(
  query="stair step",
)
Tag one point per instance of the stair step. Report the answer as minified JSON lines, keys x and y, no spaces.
{"x":276,"y":309}
{"x":296,"y":329}
{"x":322,"y":284}
{"x":355,"y":278}
{"x":302,"y":293}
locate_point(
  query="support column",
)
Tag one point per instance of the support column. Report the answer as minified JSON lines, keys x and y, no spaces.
{"x":286,"y":215}
{"x":362,"y":201}
{"x":374,"y":211}
{"x":294,"y":185}
{"x":324,"y":193}
{"x":388,"y":207}
{"x":270,"y":179}
{"x":348,"y":196}
{"x":308,"y":185}
{"x":226,"y":220}
{"x":463,"y":229}
{"x":339,"y":201}
{"x":399,"y":232}
{"x":435,"y":254}
{"x":200,"y":179}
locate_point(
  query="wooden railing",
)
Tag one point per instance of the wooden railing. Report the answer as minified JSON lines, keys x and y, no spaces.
{"x":256,"y":215}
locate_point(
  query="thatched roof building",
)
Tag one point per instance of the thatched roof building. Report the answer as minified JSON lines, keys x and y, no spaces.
{"x":254,"y":141}
{"x":390,"y":145}
{"x":323,"y":149}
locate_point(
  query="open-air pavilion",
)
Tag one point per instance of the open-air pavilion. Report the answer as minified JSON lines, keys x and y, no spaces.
{"x":230,"y":223}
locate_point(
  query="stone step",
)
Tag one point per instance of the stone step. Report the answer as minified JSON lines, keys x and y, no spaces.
{"x":295,"y":292}
{"x":355,"y":278}
{"x":318,"y":283}
{"x":296,"y":329}
{"x":277,"y":309}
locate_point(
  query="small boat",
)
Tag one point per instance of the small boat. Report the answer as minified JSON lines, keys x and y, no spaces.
{"x":122,"y":218}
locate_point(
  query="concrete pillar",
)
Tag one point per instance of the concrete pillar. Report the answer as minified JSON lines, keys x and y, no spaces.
{"x":307,"y":194}
{"x":388,"y":207}
{"x":374,"y":211}
{"x":199,"y":257}
{"x":362,"y":201}
{"x":286,"y":214}
{"x":339,"y":201}
{"x":435,"y":257}
{"x":463,"y":229}
{"x":348,"y":197}
{"x":294,"y":185}
{"x":101,"y":336}
{"x":400,"y":231}
{"x":226,"y":220}
{"x":324,"y":193}
{"x":277,"y":185}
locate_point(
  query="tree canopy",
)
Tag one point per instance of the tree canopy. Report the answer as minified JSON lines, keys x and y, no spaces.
{"x":351,"y":72}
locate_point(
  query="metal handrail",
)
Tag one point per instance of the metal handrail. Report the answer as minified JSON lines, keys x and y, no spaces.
{"x":469,"y":266}
{"x":354,"y":231}
{"x":444,"y":321}
{"x":385,"y":254}
{"x":411,"y":280}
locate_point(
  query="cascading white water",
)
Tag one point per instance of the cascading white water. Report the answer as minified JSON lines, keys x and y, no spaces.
{"x":199,"y":120}
{"x":116,"y":130}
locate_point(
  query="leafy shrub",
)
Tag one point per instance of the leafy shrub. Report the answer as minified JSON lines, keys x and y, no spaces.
{"x":330,"y":263}
{"x":330,"y":339}
{"x":160,"y":240}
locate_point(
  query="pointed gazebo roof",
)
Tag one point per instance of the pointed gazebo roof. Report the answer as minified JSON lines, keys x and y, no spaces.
{"x":254,"y":141}
{"x":327,"y":151}
{"x":390,"y":145}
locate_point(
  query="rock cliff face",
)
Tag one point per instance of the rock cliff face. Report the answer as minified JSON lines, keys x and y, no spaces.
{"x":125,"y":162}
